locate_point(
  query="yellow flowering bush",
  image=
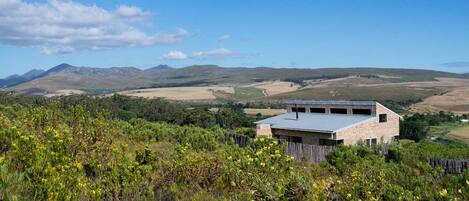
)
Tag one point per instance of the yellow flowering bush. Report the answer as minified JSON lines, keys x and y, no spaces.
{"x":55,"y":153}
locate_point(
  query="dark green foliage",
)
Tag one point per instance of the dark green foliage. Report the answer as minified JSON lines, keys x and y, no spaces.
{"x":57,"y":151}
{"x":413,"y":130}
{"x":155,"y":110}
{"x":416,"y":126}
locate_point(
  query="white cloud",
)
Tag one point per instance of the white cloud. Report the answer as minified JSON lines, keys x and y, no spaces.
{"x":219,"y":52}
{"x":210,"y":54}
{"x":60,"y":27}
{"x":224,"y":38}
{"x":130,"y":11}
{"x":175,"y":55}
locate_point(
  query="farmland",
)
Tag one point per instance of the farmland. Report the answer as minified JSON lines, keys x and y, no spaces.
{"x":265,"y":112}
{"x":443,"y":94}
{"x":179,"y":93}
{"x":461,"y":133}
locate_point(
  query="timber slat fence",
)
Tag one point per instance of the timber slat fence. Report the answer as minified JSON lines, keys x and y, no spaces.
{"x":318,"y":153}
{"x":450,"y":166}
{"x":240,"y":140}
{"x":307,"y":152}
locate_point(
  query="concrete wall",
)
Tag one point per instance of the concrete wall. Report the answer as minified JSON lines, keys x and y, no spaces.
{"x":383,"y":132}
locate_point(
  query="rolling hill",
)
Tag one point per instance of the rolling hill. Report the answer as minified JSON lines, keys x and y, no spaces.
{"x":65,"y":76}
{"x":103,"y":80}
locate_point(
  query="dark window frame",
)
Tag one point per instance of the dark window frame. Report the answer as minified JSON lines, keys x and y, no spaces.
{"x":327,"y":142}
{"x":300,"y":109}
{"x":295,"y":139}
{"x":336,"y":110}
{"x":383,"y":118}
{"x":317,"y":110}
{"x":359,"y":111}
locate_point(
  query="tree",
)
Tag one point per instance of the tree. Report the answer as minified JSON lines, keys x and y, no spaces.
{"x":414,"y":129}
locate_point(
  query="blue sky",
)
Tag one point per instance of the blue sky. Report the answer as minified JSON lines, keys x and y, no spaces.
{"x":310,"y":34}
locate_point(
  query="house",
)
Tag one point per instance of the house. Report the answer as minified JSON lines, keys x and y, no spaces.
{"x":465,"y":120}
{"x":332,"y":123}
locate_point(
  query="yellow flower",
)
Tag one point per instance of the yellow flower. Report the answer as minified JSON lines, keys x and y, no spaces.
{"x":349,"y":195}
{"x":459,"y":191}
{"x":262,"y":164}
{"x":233,"y":183}
{"x":229,"y":157}
{"x":444,"y":192}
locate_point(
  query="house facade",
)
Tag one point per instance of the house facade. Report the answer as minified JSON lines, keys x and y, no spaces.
{"x":333,"y":123}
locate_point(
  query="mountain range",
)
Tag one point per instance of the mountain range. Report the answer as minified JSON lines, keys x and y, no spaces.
{"x":101,"y":80}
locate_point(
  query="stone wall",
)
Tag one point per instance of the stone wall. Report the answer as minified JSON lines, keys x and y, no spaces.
{"x":384,"y":132}
{"x":263,"y":130}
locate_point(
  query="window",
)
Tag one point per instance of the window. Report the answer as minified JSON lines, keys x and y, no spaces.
{"x":300,"y":109}
{"x":361,"y":111}
{"x":289,"y":138}
{"x":339,"y":110}
{"x":368,"y":142}
{"x":318,"y":110}
{"x":326,"y":142}
{"x":383,"y":118}
{"x":294,"y":139}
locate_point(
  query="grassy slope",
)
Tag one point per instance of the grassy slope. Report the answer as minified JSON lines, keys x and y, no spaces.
{"x":460,"y":133}
{"x":358,"y":93}
{"x":454,"y":133}
{"x":70,"y":77}
{"x":210,"y":74}
{"x":248,"y":92}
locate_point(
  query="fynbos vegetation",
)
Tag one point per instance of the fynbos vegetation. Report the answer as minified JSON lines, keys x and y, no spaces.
{"x":56,"y":151}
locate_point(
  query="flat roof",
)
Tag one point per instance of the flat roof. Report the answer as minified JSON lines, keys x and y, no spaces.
{"x":332,"y":102}
{"x":315,"y":122}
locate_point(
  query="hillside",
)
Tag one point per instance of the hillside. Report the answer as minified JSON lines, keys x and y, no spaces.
{"x":14,"y":80}
{"x":211,"y":74}
{"x":103,"y":80}
{"x":66,"y":76}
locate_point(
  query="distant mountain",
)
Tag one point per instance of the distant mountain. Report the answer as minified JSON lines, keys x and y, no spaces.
{"x":65,"y":76}
{"x":100,"y":80}
{"x":161,"y":67}
{"x":33,"y":73}
{"x":13,"y":80}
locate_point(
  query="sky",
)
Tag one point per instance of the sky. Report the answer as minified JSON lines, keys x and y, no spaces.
{"x":237,"y":33}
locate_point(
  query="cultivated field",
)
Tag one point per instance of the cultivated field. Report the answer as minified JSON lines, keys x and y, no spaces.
{"x":443,"y":94}
{"x":276,"y":87}
{"x":65,"y":92}
{"x":265,"y":112}
{"x":461,"y":133}
{"x":456,"y":99}
{"x":357,"y":93}
{"x":180,"y":93}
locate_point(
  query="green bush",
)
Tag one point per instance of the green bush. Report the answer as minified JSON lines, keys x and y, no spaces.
{"x":52,"y":153}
